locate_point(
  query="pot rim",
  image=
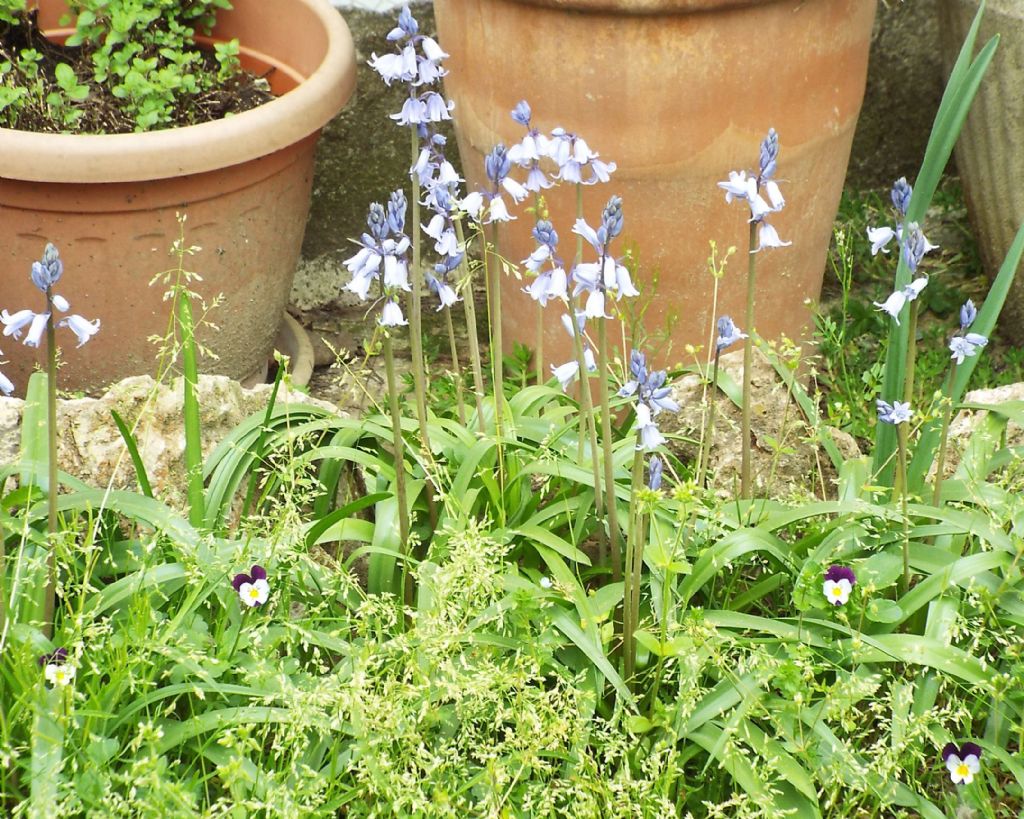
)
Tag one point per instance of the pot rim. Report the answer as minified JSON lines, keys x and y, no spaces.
{"x":641,"y":8}
{"x":285,"y":120}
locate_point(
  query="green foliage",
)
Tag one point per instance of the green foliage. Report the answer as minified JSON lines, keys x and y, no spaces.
{"x":143,"y":51}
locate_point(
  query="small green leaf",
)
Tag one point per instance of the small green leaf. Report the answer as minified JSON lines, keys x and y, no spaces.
{"x":884,"y":611}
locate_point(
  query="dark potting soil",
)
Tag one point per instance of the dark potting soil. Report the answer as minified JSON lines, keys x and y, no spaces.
{"x":102,"y":112}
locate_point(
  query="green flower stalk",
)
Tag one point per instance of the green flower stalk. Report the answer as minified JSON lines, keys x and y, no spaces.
{"x":899,"y":414}
{"x":739,"y":186}
{"x":45,"y":274}
{"x":469,"y":305}
{"x":963,"y":345}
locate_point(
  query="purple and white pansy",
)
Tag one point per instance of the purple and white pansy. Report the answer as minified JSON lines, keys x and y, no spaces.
{"x":252,"y":587}
{"x":839,"y":583}
{"x":962,"y":762}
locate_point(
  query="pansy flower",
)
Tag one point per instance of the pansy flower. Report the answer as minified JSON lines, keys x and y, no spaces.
{"x":252,"y":588}
{"x":839,"y":582}
{"x":962,"y":762}
{"x":56,"y":668}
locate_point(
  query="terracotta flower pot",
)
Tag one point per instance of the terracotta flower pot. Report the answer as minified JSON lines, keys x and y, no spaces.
{"x":678,"y":93}
{"x":110,"y":203}
{"x":990,"y":151}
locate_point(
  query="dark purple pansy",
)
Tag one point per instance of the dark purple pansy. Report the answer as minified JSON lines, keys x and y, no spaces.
{"x":964,"y":751}
{"x":837,"y":573}
{"x":57,"y":657}
{"x":257,"y":572}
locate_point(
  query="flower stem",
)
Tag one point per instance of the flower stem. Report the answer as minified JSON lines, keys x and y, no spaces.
{"x":908,"y":374}
{"x":709,"y":429}
{"x":538,"y":352}
{"x":588,"y":428}
{"x":901,"y":434}
{"x":492,"y":277}
{"x":631,"y":590}
{"x":49,"y":599}
{"x":456,"y":369}
{"x":469,"y":305}
{"x":398,"y":442}
{"x":604,"y":368}
{"x":947,"y":418}
{"x":419,"y":376}
{"x":746,"y":487}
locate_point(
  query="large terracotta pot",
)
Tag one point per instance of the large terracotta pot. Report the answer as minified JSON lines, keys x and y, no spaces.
{"x":990,"y":151}
{"x":677,"y":92}
{"x":110,"y":202}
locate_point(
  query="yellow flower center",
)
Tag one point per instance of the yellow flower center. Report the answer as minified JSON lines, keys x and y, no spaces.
{"x":254,"y":593}
{"x":837,"y":591}
{"x":963,"y":771}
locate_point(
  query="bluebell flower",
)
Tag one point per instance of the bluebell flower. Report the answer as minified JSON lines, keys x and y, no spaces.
{"x":15,"y":323}
{"x":47,"y":271}
{"x":81,"y":327}
{"x":912,"y":241}
{"x":966,"y":345}
{"x":608,"y":275}
{"x":769,"y":154}
{"x":6,"y":385}
{"x":654,"y":470}
{"x":968,"y":313}
{"x":439,"y":282}
{"x":391,"y":314}
{"x":740,"y":186}
{"x":35,"y":331}
{"x":650,"y":436}
{"x":568,"y":372}
{"x":896,"y":413}
{"x":382,"y":253}
{"x":573,"y":156}
{"x":900,"y":195}
{"x":522,"y":113}
{"x":407,"y":26}
{"x":728,"y":334}
{"x":649,"y":387}
{"x":895,"y":303}
{"x":550,"y":283}
{"x":400,"y":67}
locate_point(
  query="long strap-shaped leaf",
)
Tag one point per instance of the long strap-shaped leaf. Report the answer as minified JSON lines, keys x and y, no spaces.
{"x":928,"y":443}
{"x":956,"y":102}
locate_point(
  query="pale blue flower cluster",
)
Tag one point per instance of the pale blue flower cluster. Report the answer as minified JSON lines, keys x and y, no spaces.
{"x":418,"y":64}
{"x":383,"y":257}
{"x":740,"y":186}
{"x":551,"y":281}
{"x":607,"y":276}
{"x":898,"y":412}
{"x":573,"y":158}
{"x":45,"y":274}
{"x":898,"y":299}
{"x":966,"y":345}
{"x":652,"y":397}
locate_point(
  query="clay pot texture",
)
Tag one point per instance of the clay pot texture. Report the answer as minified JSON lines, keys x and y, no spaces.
{"x":677,"y":93}
{"x":109,"y":203}
{"x":990,"y":151}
